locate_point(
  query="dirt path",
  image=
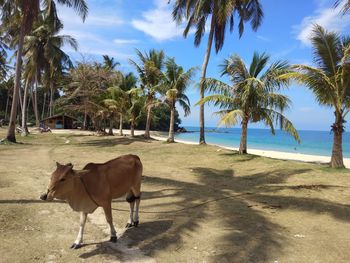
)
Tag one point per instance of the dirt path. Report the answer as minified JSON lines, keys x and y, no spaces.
{"x":199,"y":204}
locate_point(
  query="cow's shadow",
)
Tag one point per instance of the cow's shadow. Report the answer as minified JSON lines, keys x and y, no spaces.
{"x":126,"y":247}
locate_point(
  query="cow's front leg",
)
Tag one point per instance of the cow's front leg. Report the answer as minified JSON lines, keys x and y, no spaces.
{"x":108,"y":214}
{"x":79,"y":241}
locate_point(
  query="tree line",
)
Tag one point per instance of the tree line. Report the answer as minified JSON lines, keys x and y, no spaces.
{"x":102,"y":94}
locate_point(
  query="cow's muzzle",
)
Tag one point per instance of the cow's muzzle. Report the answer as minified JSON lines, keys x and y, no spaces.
{"x":43,"y":197}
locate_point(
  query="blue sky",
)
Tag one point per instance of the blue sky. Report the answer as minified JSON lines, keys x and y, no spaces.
{"x":117,"y":27}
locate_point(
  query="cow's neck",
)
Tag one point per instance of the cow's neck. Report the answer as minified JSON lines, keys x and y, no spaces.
{"x":79,"y":200}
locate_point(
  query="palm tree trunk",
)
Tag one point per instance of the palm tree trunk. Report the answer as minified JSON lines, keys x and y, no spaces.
{"x":148,"y":122}
{"x":337,"y":151}
{"x":171,"y":126}
{"x":85,"y":120}
{"x":203,"y":75}
{"x":34,"y":97}
{"x":20,"y":99}
{"x":110,"y":132}
{"x":43,"y":109}
{"x":7,"y":106}
{"x":132,"y":128}
{"x":12,"y":125}
{"x":24,"y":108}
{"x":27,"y":112}
{"x":243,"y":144}
{"x":35,"y":103}
{"x":121,"y":125}
{"x":48,"y":106}
{"x":51,"y":99}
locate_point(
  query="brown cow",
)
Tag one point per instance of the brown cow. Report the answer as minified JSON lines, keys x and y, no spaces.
{"x":96,"y":185}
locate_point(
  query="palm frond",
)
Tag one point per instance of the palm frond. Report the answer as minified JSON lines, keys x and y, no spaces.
{"x":230,"y":118}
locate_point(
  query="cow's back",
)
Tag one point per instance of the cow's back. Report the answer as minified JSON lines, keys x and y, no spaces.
{"x":114,"y":178}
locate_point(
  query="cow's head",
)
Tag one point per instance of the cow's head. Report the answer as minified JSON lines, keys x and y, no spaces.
{"x":61,"y":182}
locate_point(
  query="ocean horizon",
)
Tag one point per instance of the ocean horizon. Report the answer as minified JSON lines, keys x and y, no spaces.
{"x":312,"y":142}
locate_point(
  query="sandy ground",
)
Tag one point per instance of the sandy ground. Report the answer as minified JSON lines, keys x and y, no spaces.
{"x":199,"y":204}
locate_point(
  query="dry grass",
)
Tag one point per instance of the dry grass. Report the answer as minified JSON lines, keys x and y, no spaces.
{"x":199,"y":204}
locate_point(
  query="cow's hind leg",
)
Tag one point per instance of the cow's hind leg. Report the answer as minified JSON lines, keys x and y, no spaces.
{"x":108,"y":213}
{"x":137,"y":192}
{"x":79,"y":241}
{"x":136,"y":214}
{"x":133,"y":197}
{"x":130,"y":198}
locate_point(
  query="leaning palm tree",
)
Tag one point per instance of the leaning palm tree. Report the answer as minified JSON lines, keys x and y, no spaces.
{"x":220,"y":12}
{"x":329,"y":81}
{"x":175,"y":83}
{"x":149,"y":69}
{"x":253,"y":96}
{"x":27,"y":12}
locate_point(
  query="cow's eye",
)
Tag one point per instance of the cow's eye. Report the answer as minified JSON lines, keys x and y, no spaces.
{"x":62,"y":180}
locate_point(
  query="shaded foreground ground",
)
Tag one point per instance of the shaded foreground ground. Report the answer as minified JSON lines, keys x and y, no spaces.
{"x":199,"y":204}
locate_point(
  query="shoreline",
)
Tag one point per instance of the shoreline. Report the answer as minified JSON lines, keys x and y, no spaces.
{"x":308,"y":158}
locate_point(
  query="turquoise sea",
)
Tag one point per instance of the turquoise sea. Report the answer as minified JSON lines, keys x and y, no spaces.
{"x":312,"y":142}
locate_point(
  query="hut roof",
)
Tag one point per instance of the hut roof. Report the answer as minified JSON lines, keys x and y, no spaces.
{"x":59,"y":115}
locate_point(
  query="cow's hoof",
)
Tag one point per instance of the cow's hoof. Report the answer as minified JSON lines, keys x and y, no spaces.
{"x":113,"y":239}
{"x":76,"y":246}
{"x":136,"y":224}
{"x":128,"y":225}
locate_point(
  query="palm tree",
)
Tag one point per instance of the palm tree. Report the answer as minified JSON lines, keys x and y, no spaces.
{"x":150,"y":72}
{"x":117,"y":102}
{"x":128,"y":82}
{"x":43,"y":52}
{"x":329,"y":81}
{"x":109,"y":62}
{"x":253,"y":96}
{"x":136,"y":103}
{"x":175,"y":82}
{"x":3,"y":61}
{"x":197,"y":12}
{"x":28,"y":12}
{"x":8,"y":86}
{"x":345,"y":7}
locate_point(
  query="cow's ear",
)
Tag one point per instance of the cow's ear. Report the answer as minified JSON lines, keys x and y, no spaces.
{"x":58,"y":164}
{"x":69,"y":164}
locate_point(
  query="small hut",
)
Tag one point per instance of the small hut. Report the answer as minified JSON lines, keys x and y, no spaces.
{"x":59,"y":121}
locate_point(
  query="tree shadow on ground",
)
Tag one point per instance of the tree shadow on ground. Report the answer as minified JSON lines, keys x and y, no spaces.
{"x":221,"y":197}
{"x":240,"y":157}
{"x":112,"y":141}
{"x":248,"y":233}
{"x":29,"y":201}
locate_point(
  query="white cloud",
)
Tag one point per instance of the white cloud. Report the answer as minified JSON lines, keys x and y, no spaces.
{"x":158,"y":22}
{"x":263,"y":38}
{"x":120,"y":41}
{"x":329,"y":18}
{"x":95,"y":35}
